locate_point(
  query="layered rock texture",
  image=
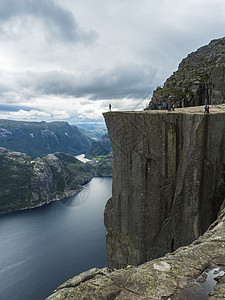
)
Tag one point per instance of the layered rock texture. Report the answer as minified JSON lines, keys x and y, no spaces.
{"x":199,"y":79}
{"x":184,"y":274}
{"x":168,"y":180}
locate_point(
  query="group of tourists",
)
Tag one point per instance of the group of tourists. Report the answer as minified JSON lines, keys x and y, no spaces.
{"x":163,"y":106}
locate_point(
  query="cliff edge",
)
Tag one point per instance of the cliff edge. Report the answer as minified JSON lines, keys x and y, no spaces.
{"x":192,"y":272}
{"x":168,"y":180}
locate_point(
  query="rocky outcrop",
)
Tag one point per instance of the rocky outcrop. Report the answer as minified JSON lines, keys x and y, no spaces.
{"x":199,"y":79}
{"x":184,"y":274}
{"x":27,"y":183}
{"x":168,"y":180}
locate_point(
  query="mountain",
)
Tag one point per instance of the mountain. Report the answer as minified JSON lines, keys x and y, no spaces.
{"x":27,"y":182}
{"x":41,"y":138}
{"x":100,"y":147}
{"x":199,"y":79}
{"x":104,"y":166}
{"x":94,"y":134}
{"x":92,"y":126}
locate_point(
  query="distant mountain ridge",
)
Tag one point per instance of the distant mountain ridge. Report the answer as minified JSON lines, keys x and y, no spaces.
{"x":94,"y":134}
{"x":41,"y":138}
{"x":100,"y":147}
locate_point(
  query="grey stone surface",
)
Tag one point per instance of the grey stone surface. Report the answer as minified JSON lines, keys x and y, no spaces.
{"x":168,"y":181}
{"x":199,"y":79}
{"x":174,"y":276}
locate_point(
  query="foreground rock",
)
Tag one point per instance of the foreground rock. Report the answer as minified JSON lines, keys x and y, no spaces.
{"x":199,"y":79}
{"x":178,"y":275}
{"x":168,"y":181}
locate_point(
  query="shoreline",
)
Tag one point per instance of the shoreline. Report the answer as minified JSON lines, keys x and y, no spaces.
{"x":55,"y":199}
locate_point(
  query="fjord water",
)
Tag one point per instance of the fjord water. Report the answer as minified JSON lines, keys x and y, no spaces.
{"x":41,"y":248}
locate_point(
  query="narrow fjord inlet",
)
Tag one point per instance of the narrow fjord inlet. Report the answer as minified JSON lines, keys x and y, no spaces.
{"x":43,"y":247}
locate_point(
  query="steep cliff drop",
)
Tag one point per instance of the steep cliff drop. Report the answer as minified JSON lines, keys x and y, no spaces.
{"x":168,"y":180}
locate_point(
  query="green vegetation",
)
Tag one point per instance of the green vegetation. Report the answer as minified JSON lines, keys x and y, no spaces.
{"x":94,"y":134}
{"x":100,"y":157}
{"x":100,"y":148}
{"x":26,"y":183}
{"x":41,"y":138}
{"x":104,"y":166}
{"x":15,"y":182}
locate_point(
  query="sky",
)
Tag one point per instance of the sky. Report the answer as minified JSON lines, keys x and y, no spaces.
{"x":66,"y":60}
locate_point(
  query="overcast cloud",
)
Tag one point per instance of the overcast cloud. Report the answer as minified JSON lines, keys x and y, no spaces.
{"x":68,"y":59}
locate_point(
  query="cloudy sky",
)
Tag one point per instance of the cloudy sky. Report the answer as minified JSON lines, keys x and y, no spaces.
{"x":68,"y":59}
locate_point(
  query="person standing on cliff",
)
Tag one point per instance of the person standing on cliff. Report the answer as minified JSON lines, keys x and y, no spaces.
{"x":110,"y":107}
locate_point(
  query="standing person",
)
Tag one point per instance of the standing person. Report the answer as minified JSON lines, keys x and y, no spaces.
{"x":205,"y":109}
{"x":110,"y":107}
{"x":173,"y":106}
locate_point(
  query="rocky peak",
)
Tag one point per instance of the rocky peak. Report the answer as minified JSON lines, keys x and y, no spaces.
{"x":199,"y":79}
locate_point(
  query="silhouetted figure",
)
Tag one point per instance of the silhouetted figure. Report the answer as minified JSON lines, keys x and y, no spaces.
{"x":110,"y":107}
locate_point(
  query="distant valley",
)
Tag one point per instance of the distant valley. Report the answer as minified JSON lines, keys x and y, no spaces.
{"x":41,"y":138}
{"x":38,"y":164}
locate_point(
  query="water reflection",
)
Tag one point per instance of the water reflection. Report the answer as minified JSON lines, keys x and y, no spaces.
{"x":202,"y":286}
{"x":43,"y":247}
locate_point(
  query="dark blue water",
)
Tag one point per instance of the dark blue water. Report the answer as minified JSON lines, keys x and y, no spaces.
{"x":43,"y":247}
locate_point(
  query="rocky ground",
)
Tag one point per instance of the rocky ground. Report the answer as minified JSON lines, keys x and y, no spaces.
{"x":178,"y":275}
{"x":213,"y":109}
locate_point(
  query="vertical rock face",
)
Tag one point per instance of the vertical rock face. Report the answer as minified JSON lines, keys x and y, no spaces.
{"x":168,"y":181}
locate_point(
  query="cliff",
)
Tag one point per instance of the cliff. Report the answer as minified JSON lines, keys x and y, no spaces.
{"x":199,"y":79}
{"x":27,"y":183}
{"x":168,"y":180}
{"x":191,"y":272}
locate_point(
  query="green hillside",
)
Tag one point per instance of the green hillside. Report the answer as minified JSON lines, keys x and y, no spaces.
{"x":41,"y":138}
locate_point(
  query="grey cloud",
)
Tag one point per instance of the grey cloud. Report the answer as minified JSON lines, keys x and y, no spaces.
{"x":121,"y":82}
{"x":58,"y":22}
{"x":125,"y":81}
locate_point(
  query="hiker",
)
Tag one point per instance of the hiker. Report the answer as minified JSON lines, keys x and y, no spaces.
{"x":110,"y":106}
{"x":205,"y":109}
{"x":173,"y":106}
